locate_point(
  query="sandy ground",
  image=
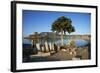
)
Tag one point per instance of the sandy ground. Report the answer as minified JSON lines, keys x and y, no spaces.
{"x":64,"y":55}
{"x":81,"y":54}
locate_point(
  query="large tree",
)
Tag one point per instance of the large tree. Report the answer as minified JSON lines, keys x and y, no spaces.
{"x":62,"y":25}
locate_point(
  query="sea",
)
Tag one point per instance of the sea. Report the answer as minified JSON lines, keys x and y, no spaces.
{"x":78,"y":42}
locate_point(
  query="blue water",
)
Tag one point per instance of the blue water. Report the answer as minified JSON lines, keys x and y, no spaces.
{"x":81,"y":42}
{"x":78,"y":42}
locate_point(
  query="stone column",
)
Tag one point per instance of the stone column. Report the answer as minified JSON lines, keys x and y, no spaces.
{"x":32,"y":43}
{"x":42,"y":48}
{"x":50,"y":46}
{"x":46,"y":45}
{"x":38,"y":46}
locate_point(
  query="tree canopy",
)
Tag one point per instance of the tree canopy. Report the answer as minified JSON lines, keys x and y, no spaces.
{"x":63,"y":23}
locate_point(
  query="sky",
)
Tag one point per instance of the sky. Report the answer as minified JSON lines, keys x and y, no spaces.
{"x":41,"y":21}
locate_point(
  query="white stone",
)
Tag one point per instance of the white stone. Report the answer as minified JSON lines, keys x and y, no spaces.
{"x":38,"y":46}
{"x":50,"y":46}
{"x":47,"y":48}
{"x":42,"y":48}
{"x":63,"y":50}
{"x":75,"y":58}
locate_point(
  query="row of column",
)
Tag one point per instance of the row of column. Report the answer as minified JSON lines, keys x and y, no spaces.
{"x":47,"y":47}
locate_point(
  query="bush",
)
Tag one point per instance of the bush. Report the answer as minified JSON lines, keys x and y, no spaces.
{"x":72,"y":44}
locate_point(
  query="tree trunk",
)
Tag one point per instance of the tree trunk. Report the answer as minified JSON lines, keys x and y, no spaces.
{"x":61,"y":37}
{"x":53,"y":38}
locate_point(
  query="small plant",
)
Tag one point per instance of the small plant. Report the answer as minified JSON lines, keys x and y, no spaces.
{"x":72,"y":44}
